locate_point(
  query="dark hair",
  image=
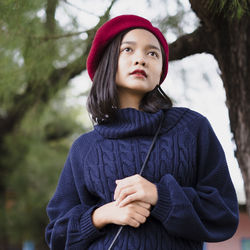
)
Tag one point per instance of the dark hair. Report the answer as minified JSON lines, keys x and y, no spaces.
{"x":103,"y":101}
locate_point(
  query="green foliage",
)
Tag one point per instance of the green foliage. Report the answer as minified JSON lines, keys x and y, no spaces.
{"x":17,"y":20}
{"x":174,"y":22}
{"x":230,"y":8}
{"x":28,"y":53}
{"x":32,"y":155}
{"x":38,"y":152}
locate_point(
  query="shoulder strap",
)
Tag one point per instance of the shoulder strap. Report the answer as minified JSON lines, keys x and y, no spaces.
{"x":143,"y":166}
{"x":151,"y":147}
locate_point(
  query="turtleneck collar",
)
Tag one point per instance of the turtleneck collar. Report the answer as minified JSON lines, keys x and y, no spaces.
{"x":132,"y":122}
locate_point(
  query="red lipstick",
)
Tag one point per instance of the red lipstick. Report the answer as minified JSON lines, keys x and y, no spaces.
{"x":139,"y":73}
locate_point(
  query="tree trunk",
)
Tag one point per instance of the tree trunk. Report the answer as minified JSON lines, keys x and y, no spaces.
{"x":232,"y":52}
{"x":228,"y":39}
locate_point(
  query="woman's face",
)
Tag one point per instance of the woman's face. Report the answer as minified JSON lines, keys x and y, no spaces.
{"x":139,"y":63}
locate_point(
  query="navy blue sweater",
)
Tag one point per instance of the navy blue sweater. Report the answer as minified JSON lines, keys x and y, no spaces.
{"x":196,"y":198}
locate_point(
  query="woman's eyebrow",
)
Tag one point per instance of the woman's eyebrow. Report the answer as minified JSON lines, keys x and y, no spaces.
{"x":149,"y":46}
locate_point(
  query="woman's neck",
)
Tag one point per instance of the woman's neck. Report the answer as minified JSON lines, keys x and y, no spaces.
{"x":129,"y":100}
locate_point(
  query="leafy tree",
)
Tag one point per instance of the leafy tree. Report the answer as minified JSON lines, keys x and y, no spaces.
{"x":37,"y":61}
{"x":37,"y":150}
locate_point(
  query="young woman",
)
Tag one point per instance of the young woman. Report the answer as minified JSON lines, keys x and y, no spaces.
{"x":184,"y":195}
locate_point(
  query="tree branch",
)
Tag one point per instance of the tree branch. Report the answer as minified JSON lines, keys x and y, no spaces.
{"x":50,"y":16}
{"x":202,"y":10}
{"x":80,"y":9}
{"x":44,"y":90}
{"x":213,"y":11}
{"x":54,"y":37}
{"x":198,"y":41}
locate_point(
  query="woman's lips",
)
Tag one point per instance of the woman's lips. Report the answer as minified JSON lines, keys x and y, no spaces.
{"x":139,"y":73}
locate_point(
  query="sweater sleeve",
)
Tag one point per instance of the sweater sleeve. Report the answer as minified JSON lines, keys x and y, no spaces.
{"x":208,"y":211}
{"x":70,"y":224}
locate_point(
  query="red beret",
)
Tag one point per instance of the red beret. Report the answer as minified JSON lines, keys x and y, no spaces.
{"x":106,"y":33}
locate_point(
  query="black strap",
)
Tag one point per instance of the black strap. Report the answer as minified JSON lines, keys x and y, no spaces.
{"x":143,"y":166}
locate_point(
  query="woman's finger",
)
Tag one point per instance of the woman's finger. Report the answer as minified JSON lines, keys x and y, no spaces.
{"x":125,"y":183}
{"x":119,"y":189}
{"x":140,"y":218}
{"x":133,"y":223}
{"x":143,"y":204}
{"x":125,"y":193}
{"x":127,"y":200}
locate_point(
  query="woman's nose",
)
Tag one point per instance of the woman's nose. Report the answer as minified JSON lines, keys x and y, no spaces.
{"x":140,"y":62}
{"x":139,"y":59}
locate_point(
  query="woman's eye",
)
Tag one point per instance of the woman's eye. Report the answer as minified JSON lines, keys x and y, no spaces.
{"x":152,"y":53}
{"x":127,"y":49}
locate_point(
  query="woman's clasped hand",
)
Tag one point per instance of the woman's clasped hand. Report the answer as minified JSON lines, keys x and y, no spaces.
{"x":135,"y":188}
{"x":133,"y":197}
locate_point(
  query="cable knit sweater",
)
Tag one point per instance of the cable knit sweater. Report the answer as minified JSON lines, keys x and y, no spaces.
{"x":196,"y":198}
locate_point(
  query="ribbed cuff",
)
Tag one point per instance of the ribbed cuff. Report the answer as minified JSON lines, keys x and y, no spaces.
{"x":87,"y":227}
{"x":163,"y":206}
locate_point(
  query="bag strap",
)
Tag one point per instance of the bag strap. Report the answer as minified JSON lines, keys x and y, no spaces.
{"x":143,"y":166}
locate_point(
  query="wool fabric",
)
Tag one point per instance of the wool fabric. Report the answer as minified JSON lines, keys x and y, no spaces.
{"x":196,"y":197}
{"x":109,"y":30}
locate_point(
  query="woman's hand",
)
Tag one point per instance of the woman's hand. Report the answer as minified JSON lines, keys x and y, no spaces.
{"x":134,"y":196}
{"x":135,"y":188}
{"x":134,"y":214}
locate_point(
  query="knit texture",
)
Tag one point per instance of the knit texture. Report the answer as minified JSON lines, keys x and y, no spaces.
{"x":196,"y":198}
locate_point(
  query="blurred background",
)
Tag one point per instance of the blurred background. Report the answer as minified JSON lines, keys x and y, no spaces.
{"x":43,"y":90}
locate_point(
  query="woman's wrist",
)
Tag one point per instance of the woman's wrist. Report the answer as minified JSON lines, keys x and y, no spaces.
{"x":155,"y":190}
{"x":99,"y":217}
